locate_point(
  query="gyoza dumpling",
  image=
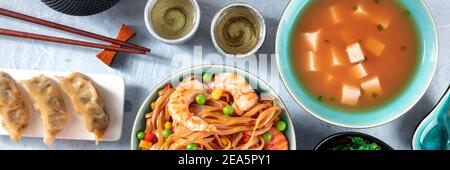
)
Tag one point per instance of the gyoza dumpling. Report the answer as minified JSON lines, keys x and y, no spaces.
{"x":87,"y":102}
{"x":50,"y":103}
{"x":13,"y":112}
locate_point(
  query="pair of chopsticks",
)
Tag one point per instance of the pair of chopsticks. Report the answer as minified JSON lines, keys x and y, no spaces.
{"x":130,"y":48}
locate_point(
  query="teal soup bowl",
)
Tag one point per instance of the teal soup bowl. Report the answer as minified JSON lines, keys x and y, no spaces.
{"x":394,"y":108}
{"x":257,"y":84}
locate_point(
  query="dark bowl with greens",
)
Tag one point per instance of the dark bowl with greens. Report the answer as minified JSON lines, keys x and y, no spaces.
{"x":352,"y":141}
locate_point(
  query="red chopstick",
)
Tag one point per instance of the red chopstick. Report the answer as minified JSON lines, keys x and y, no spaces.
{"x":67,"y":41}
{"x":31,"y":19}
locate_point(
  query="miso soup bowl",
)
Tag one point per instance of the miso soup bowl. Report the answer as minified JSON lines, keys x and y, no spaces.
{"x":402,"y":103}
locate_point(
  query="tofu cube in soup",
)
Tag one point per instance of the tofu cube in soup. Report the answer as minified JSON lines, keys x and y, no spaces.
{"x":360,"y":11}
{"x":350,"y":95}
{"x":312,"y":61}
{"x":372,"y":87}
{"x":312,"y":39}
{"x":335,"y":14}
{"x":358,"y":71}
{"x":374,"y":46}
{"x":336,"y":57}
{"x":355,"y":53}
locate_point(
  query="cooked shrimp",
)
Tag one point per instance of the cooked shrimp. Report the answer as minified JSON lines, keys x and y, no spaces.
{"x":277,"y":142}
{"x":178,"y":106}
{"x":244,"y":96}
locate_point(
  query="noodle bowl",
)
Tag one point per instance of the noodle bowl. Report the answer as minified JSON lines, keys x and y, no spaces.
{"x":253,"y":129}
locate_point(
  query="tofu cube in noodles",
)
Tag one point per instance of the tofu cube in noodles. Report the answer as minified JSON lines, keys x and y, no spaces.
{"x":336,"y":57}
{"x":355,"y":53}
{"x":360,"y":11}
{"x":358,"y":71}
{"x":374,"y":46}
{"x":372,"y":86}
{"x":311,"y":61}
{"x":312,"y":39}
{"x":335,"y":15}
{"x":350,"y":95}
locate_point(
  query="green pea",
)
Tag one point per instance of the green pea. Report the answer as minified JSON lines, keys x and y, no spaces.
{"x":191,"y":146}
{"x":207,"y":77}
{"x":140,"y":135}
{"x":228,"y":110}
{"x":167,"y":133}
{"x":267,"y":136}
{"x":281,"y":125}
{"x":200,"y":99}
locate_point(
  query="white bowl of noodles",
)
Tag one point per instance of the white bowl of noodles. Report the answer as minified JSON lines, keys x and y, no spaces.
{"x":256,"y":128}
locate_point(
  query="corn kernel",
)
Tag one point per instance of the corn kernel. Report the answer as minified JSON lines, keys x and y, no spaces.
{"x":216,"y":94}
{"x":168,"y":125}
{"x":145,"y":145}
{"x":224,"y":141}
{"x":153,"y":105}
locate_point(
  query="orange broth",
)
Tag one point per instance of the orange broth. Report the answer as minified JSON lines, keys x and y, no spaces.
{"x":354,"y":54}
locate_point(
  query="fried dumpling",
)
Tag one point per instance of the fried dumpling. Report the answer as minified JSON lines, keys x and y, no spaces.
{"x":50,"y":103}
{"x":13,"y":112}
{"x":87,"y":103}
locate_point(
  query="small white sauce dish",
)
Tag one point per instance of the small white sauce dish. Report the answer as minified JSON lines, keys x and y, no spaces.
{"x":148,"y":23}
{"x":258,"y":17}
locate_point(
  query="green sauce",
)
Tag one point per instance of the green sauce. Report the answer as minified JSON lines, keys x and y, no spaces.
{"x":172,"y":19}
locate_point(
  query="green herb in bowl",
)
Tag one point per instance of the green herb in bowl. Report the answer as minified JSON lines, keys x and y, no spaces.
{"x":357,"y":143}
{"x":352,"y":141}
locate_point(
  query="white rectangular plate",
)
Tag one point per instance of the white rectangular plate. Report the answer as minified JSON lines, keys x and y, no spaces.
{"x":111,"y":89}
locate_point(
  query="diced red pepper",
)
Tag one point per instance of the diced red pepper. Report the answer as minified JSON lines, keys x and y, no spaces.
{"x":155,"y":140}
{"x":168,"y":86}
{"x":149,"y":137}
{"x":245,"y":138}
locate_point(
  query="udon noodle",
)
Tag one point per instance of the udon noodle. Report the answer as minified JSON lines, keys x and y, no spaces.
{"x":244,"y":130}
